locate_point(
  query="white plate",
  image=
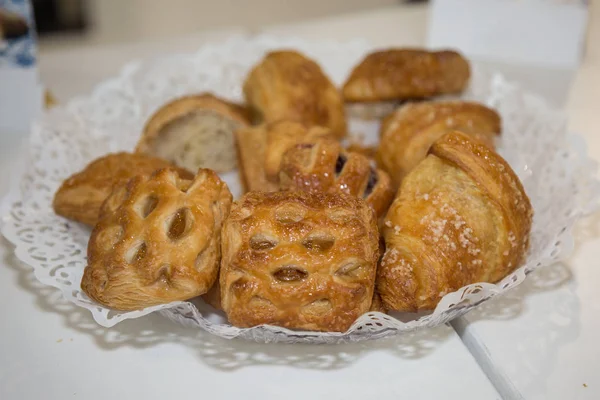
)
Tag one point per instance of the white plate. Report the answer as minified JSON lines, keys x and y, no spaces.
{"x":557,"y":175}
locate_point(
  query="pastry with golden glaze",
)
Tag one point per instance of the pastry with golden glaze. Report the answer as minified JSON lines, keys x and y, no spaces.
{"x":158,"y":240}
{"x":323,"y":165}
{"x":287,"y":85}
{"x":80,"y":196}
{"x":399,"y":74}
{"x":298,"y":260}
{"x":195,"y":132}
{"x":407,"y":134}
{"x":460,"y":217}
{"x":260,"y":149}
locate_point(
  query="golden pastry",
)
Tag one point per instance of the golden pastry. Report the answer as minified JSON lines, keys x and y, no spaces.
{"x":460,"y":217}
{"x":407,"y":134}
{"x":298,"y":260}
{"x":81,"y":195}
{"x":287,"y":85}
{"x":322,"y":165}
{"x":398,"y":74}
{"x":261,"y":148}
{"x":195,"y":132}
{"x":158,"y":240}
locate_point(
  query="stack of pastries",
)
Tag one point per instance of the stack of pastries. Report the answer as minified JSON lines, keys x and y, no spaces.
{"x":324,"y":232}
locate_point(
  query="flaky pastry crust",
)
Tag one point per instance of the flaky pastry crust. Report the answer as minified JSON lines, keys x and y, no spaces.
{"x":260,"y":149}
{"x":81,"y":195}
{"x":461,"y":217}
{"x":157,"y":241}
{"x":298,"y":260}
{"x":323,"y":165}
{"x":398,"y":74}
{"x":407,"y":134}
{"x":286,"y":85}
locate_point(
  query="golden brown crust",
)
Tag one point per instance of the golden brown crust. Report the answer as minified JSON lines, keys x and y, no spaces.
{"x":158,"y":240}
{"x":288,"y":85}
{"x":322,"y":165}
{"x":461,"y":216}
{"x":182,"y":106}
{"x":81,"y":195}
{"x":261,"y":148}
{"x":298,"y":260}
{"x":397,"y":74}
{"x":407,"y":134}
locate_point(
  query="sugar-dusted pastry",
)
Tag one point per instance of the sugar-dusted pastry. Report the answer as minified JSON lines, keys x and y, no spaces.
{"x":323,"y":165}
{"x":407,"y":134}
{"x":298,"y":260}
{"x":194,"y":132}
{"x":460,"y":217}
{"x":399,"y":74}
{"x":81,"y":195}
{"x":158,"y":240}
{"x":288,"y":85}
{"x":261,"y":148}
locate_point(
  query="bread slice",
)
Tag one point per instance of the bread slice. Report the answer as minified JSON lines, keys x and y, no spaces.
{"x":195,"y":132}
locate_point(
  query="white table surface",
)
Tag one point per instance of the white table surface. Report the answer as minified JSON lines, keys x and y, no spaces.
{"x":537,"y":343}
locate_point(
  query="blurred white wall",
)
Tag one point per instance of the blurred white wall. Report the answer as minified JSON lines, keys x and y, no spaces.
{"x":131,"y":20}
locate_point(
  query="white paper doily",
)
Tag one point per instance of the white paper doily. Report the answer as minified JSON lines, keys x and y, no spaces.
{"x":557,"y":174}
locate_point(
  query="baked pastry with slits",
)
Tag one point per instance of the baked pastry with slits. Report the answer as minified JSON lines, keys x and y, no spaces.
{"x":81,"y":195}
{"x":298,"y":260}
{"x":157,"y":241}
{"x":323,"y":165}
{"x":407,"y":134}
{"x":460,"y":217}
{"x":261,"y":148}
{"x":195,"y":132}
{"x":286,"y":85}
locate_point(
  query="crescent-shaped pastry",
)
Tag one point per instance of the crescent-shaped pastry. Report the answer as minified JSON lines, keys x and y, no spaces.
{"x":286,"y":85}
{"x":298,"y":260}
{"x":261,"y":148}
{"x":399,"y":74}
{"x":158,"y":240}
{"x":194,"y":132}
{"x":81,"y":195}
{"x":324,"y":166}
{"x":460,"y":217}
{"x":407,"y":134}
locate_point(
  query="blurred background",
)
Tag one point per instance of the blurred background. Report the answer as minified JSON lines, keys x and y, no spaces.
{"x":64,"y":22}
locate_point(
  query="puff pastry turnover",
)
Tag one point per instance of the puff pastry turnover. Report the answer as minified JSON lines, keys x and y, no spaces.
{"x":80,"y":196}
{"x":461,"y":216}
{"x":288,"y":85}
{"x":398,"y":74}
{"x":195,"y":132}
{"x":322,"y":165}
{"x":261,"y":148}
{"x":298,"y":260}
{"x":407,"y":134}
{"x":157,"y":241}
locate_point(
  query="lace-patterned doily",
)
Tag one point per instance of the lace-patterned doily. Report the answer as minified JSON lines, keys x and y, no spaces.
{"x":557,"y":175}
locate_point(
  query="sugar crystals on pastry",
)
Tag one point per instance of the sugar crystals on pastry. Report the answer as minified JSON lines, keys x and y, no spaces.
{"x":194,"y":132}
{"x":288,"y":85}
{"x":260,"y":149}
{"x":157,"y":241}
{"x":460,"y":217}
{"x":81,"y":195}
{"x":323,"y":165}
{"x":407,"y":134}
{"x":298,"y":260}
